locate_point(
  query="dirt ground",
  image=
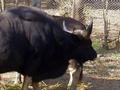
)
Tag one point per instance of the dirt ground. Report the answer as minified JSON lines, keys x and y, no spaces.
{"x":102,"y":75}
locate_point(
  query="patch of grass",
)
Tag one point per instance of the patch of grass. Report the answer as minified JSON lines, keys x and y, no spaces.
{"x":13,"y":88}
{"x":97,"y":45}
{"x":16,"y":87}
{"x":10,"y":87}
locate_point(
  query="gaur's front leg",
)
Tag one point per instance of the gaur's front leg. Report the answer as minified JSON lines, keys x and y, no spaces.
{"x":26,"y":82}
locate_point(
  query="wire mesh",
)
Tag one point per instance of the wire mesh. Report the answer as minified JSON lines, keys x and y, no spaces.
{"x":90,"y":9}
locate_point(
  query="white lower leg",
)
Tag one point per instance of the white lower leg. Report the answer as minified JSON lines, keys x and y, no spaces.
{"x":71,"y":79}
{"x":75,"y":80}
{"x":27,"y":81}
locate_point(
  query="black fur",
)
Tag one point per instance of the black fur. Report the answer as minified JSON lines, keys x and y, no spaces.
{"x":32,"y":44}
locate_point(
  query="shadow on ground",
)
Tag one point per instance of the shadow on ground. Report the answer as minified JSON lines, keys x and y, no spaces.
{"x":98,"y":83}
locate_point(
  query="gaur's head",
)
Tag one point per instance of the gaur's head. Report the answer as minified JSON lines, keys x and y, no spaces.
{"x":81,"y":37}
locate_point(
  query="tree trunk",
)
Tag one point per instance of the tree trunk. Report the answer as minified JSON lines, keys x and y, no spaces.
{"x":78,"y":7}
{"x":36,"y":3}
{"x":27,"y":2}
{"x":2,"y":5}
{"x":16,"y":3}
{"x":105,"y":12}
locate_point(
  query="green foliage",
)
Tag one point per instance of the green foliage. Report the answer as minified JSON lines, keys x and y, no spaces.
{"x":98,"y":46}
{"x":87,"y":11}
{"x":66,"y":7}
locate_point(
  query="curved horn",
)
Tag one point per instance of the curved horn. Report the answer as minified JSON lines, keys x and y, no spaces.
{"x":65,"y":28}
{"x":86,"y":33}
{"x":89,"y":29}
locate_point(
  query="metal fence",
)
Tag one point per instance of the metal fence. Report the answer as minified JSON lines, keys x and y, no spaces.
{"x":97,"y":9}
